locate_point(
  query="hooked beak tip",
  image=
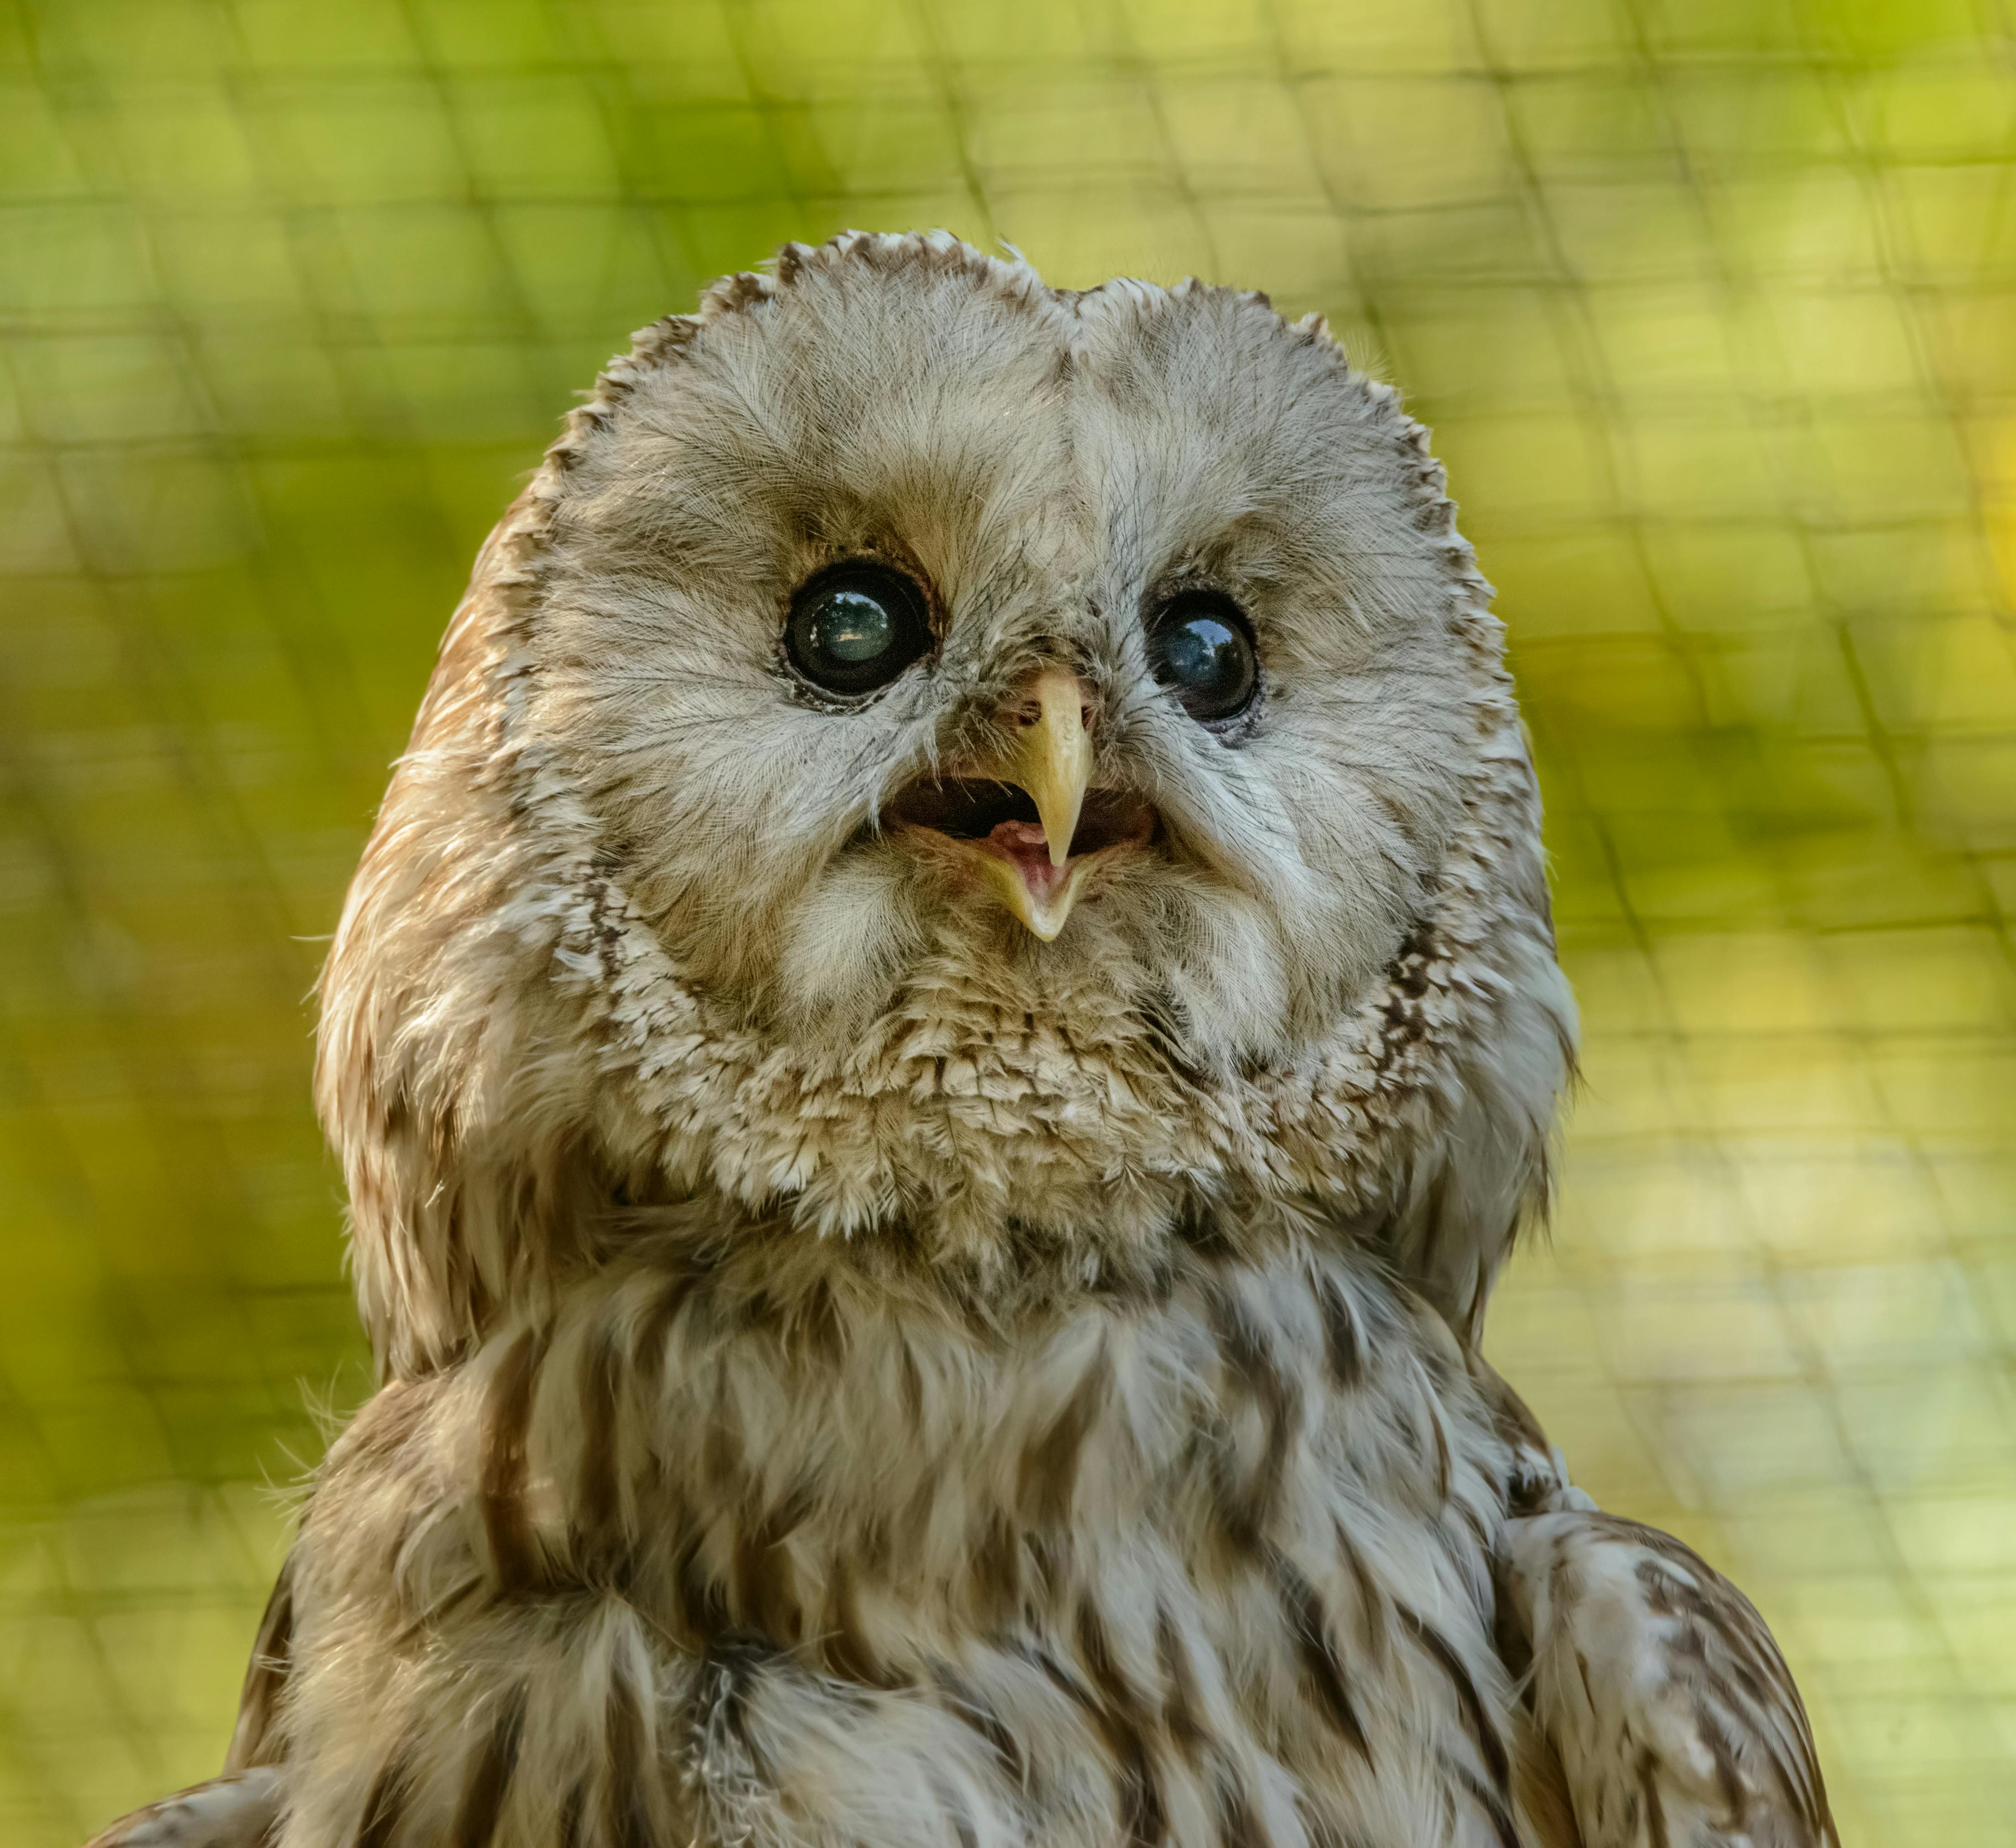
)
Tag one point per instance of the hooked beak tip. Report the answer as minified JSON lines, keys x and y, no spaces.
{"x":1052,"y":757}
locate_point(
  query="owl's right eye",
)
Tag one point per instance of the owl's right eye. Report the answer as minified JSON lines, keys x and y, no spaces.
{"x":855,"y":627}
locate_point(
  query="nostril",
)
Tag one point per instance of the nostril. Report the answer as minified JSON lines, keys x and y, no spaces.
{"x":1029,"y":713}
{"x":1041,"y":700}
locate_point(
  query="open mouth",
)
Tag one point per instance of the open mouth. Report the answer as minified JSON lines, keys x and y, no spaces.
{"x":994,"y":828}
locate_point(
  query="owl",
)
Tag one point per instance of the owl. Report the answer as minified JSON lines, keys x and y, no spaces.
{"x":947,"y":1022}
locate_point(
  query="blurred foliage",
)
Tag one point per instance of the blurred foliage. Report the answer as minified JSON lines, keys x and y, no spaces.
{"x":1712,"y":303}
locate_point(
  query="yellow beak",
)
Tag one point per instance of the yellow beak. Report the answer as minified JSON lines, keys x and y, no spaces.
{"x":1051,"y":758}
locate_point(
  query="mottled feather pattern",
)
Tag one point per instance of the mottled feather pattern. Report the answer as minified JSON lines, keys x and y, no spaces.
{"x":1676,"y":1721}
{"x":1112,"y":1575}
{"x":853,"y":1373}
{"x":237,"y":1810}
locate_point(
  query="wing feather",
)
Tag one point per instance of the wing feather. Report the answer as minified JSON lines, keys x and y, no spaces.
{"x":237,"y":1810}
{"x":255,"y":1740}
{"x":1660,"y":1689}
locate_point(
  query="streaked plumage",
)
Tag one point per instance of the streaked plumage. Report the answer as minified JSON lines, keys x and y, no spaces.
{"x":233,"y":1811}
{"x":856,"y":1372}
{"x":1659,"y":1688}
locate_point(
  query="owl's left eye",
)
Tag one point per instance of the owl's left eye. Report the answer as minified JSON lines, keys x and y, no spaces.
{"x":1200,"y":649}
{"x":855,"y":627}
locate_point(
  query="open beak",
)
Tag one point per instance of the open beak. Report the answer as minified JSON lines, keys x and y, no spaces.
{"x":1051,"y":759}
{"x":1021,"y":820}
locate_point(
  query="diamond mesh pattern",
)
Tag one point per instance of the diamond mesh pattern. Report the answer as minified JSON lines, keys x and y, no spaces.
{"x":1713,"y":305}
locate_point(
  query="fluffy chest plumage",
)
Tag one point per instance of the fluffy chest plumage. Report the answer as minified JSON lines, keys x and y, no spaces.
{"x":813,"y":1562}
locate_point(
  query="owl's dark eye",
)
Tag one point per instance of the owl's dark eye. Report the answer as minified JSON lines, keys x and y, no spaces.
{"x":1200,"y":649}
{"x":856,"y":627}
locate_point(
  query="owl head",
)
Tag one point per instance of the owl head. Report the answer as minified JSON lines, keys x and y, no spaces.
{"x":980,"y":778}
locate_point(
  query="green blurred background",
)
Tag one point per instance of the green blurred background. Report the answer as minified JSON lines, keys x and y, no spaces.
{"x":1712,"y":303}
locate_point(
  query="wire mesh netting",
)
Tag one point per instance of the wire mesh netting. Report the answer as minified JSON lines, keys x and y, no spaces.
{"x":1712,"y":303}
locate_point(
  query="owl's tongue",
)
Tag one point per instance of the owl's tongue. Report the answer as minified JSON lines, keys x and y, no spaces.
{"x":1026,"y":845}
